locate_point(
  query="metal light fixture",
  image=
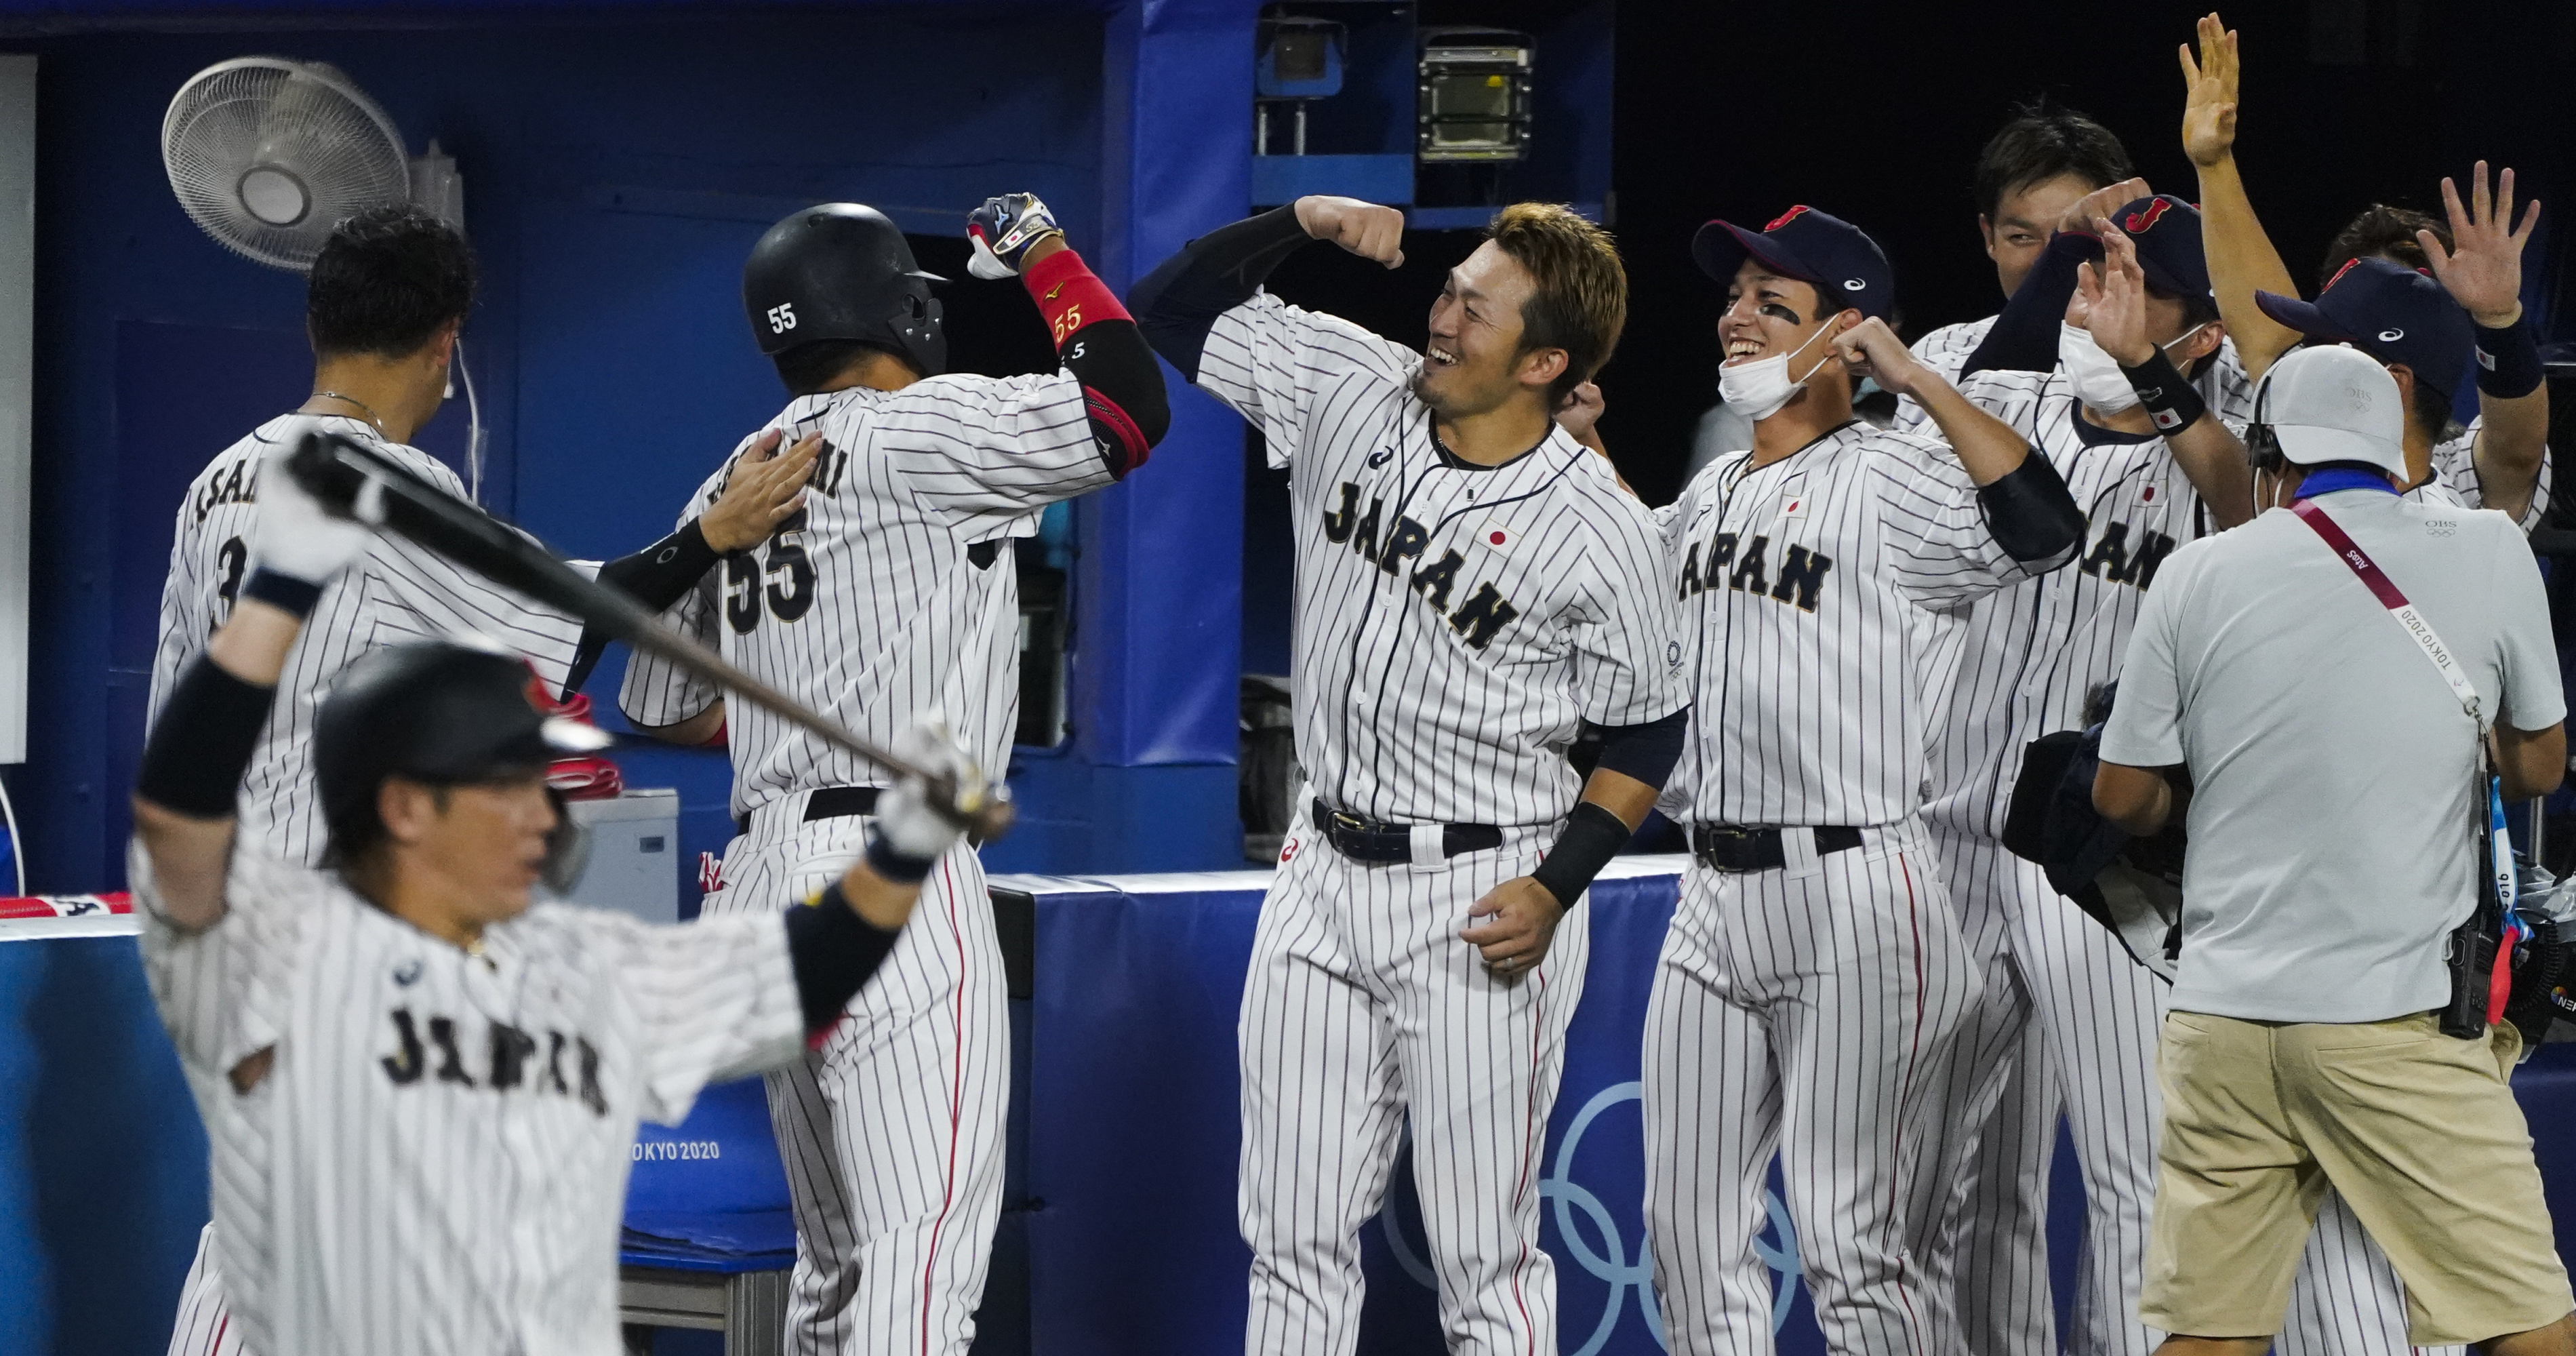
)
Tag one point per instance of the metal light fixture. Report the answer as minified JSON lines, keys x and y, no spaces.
{"x":1300,"y":61}
{"x":1473,"y":102}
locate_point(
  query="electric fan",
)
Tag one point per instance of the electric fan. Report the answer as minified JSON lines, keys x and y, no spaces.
{"x":269,"y":154}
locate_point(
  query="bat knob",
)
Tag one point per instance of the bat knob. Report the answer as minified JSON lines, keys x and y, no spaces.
{"x":991,"y":819}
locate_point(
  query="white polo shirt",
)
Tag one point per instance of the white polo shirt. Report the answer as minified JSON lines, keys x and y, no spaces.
{"x":2335,"y":777}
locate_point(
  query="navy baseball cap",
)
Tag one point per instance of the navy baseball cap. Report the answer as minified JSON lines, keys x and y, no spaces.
{"x":1817,"y":248}
{"x":2389,"y":311}
{"x":2166,"y":231}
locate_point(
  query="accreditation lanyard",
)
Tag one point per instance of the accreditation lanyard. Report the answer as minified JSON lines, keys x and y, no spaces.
{"x":2499,"y":842}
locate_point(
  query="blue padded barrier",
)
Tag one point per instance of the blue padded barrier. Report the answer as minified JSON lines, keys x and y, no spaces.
{"x":1124,"y":1089}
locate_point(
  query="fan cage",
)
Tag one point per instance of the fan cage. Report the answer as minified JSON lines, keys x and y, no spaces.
{"x":303,"y":118}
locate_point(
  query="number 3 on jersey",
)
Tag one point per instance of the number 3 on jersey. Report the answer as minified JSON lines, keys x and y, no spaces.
{"x":788,"y":598}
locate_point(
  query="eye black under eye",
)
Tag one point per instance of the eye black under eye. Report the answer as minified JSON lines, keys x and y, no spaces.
{"x":1778,"y":312}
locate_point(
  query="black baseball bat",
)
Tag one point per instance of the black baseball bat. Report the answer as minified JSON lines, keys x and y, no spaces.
{"x":355,"y":481}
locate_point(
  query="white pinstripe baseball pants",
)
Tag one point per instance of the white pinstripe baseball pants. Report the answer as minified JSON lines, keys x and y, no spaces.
{"x":1806,"y":1010}
{"x":2068,"y":1021}
{"x":204,"y":1326}
{"x":1362,"y":1008}
{"x":891,"y":1134}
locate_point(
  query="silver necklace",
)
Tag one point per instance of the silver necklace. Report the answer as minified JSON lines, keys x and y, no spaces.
{"x":368,"y":410}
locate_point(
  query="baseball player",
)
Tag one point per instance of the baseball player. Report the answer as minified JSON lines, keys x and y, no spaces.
{"x":1814,"y":974}
{"x":891,"y":590}
{"x":2066,"y":1020}
{"x":2412,"y":323}
{"x":2047,"y":172}
{"x":1473,"y":588}
{"x":420,"y":1090}
{"x":384,"y":300}
{"x":2030,"y":176}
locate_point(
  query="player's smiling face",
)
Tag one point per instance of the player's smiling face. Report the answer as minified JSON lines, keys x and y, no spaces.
{"x":1473,"y":362}
{"x":1767,"y":315}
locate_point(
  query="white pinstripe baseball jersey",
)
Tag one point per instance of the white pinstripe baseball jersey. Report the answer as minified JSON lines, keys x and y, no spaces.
{"x":395,"y":594}
{"x":892,"y":591}
{"x":2023,"y":661}
{"x":435,"y":1161}
{"x":1803,"y":585}
{"x":1455,"y":623}
{"x":2224,"y":385}
{"x":2455,"y":468}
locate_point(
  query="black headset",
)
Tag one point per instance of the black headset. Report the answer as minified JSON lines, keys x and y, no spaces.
{"x":2262,"y":445}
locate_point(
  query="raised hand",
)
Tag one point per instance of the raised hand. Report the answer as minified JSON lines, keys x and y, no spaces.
{"x":2483,"y":268}
{"x":2100,"y":203}
{"x":2209,"y":94}
{"x":1872,"y":350}
{"x":1005,"y":229}
{"x":2115,"y":298}
{"x":1363,"y":228}
{"x":1581,"y":410}
{"x":766,"y":488}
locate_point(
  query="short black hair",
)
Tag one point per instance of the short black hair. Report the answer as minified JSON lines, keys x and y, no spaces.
{"x":2431,"y":412}
{"x":2382,"y":231}
{"x":385,"y":281}
{"x":808,"y":368}
{"x":2044,"y":140}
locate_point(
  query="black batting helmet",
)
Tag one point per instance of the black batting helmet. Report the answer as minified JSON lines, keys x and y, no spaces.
{"x":842,"y":271}
{"x":438,"y":713}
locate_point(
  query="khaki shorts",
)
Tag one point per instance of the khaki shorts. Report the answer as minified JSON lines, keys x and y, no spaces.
{"x":2420,"y":1133}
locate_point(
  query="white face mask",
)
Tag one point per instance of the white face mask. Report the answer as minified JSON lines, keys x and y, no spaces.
{"x":2098,"y":380}
{"x":1759,"y":388}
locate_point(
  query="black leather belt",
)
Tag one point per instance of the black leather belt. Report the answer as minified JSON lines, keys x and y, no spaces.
{"x":1732,"y":847}
{"x":1378,"y":842}
{"x":830,"y":802}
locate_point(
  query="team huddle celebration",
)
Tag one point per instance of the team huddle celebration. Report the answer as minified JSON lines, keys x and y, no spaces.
{"x":2101,"y":714}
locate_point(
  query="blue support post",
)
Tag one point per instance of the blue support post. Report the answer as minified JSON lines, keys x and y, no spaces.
{"x":1158,"y":604}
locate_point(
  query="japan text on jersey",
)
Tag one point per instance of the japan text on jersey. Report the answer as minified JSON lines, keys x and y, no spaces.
{"x":1807,"y":587}
{"x":432,"y":1156}
{"x":2033,"y":657}
{"x":1455,"y":624}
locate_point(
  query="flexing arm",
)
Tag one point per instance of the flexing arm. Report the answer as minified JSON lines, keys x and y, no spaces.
{"x":2027,"y":505}
{"x":186,"y":789}
{"x":1095,"y":338}
{"x":2241,"y":258}
{"x":2211,"y":457}
{"x":2483,"y":272}
{"x":1180,"y":301}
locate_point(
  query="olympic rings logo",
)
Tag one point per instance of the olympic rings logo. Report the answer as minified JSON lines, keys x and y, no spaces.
{"x":1611,"y":1262}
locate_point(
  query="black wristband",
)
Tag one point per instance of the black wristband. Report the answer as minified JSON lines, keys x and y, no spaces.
{"x":833,"y":951}
{"x":282,"y":591}
{"x":887,"y":861}
{"x":2508,"y":360}
{"x":2170,"y":401}
{"x":663,"y":573}
{"x":1592,"y":837}
{"x":194,"y":760}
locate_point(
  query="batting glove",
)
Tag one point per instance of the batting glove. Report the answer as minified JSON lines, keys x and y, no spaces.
{"x":1003,"y":229}
{"x":294,"y":535}
{"x":920,"y":817}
